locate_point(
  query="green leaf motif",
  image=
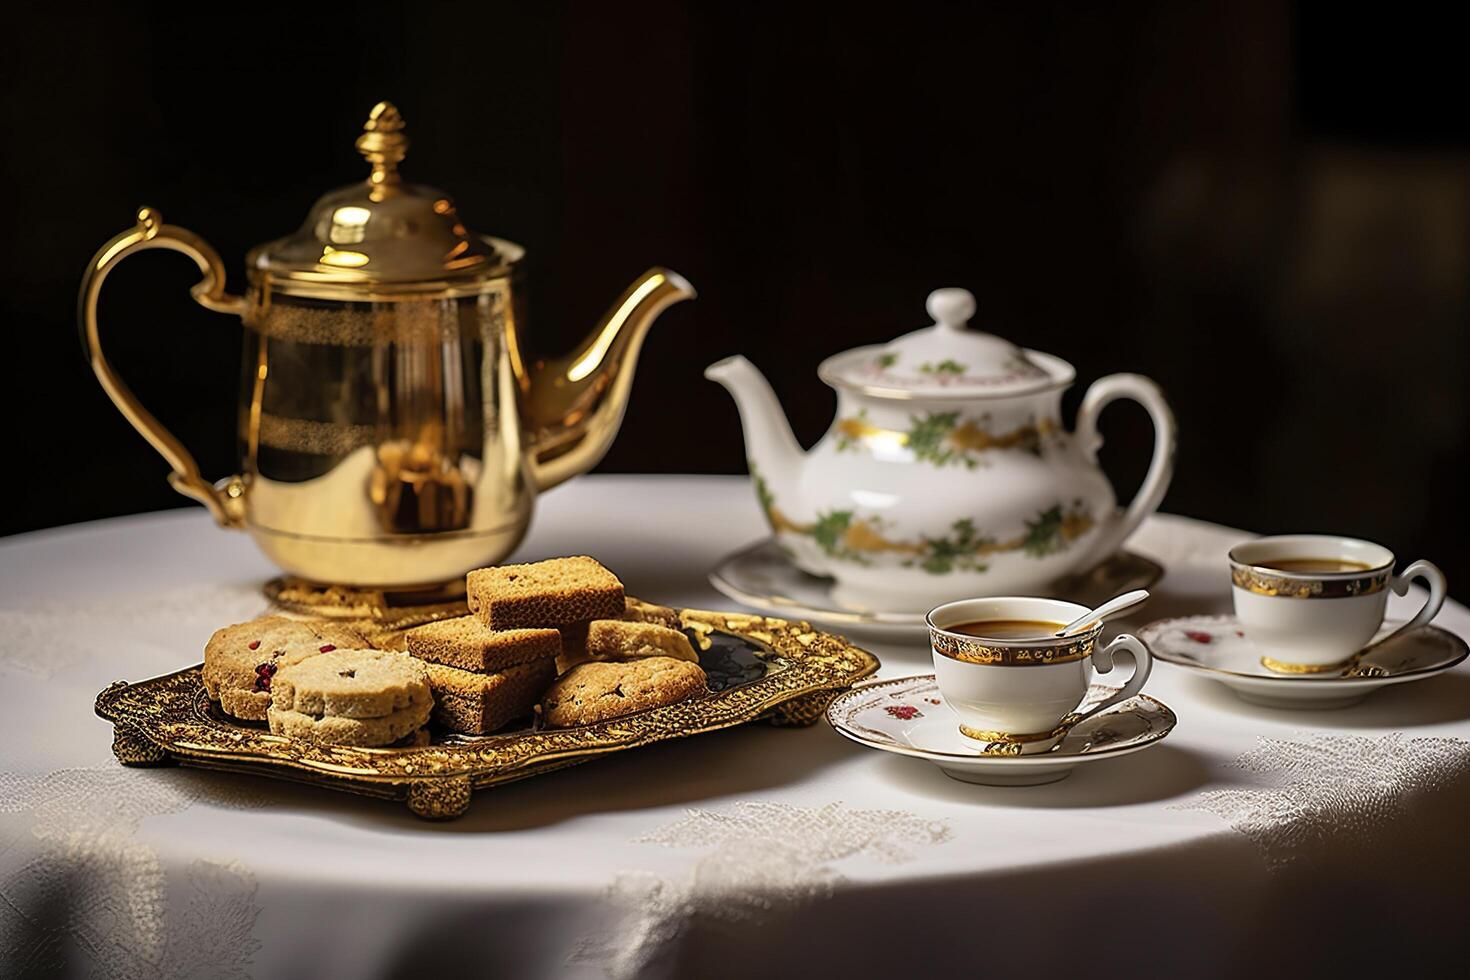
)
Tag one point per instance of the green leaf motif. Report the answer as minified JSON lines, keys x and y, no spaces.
{"x":886,"y":360}
{"x":946,"y":366}
{"x":1044,"y":534}
{"x":829,"y":528}
{"x":956,"y":550}
{"x":762,"y":491}
{"x":928,"y":440}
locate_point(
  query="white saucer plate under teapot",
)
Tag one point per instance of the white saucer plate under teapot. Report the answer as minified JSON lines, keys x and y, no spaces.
{"x":908,"y":716}
{"x":1217,"y":648}
{"x":762,"y":577}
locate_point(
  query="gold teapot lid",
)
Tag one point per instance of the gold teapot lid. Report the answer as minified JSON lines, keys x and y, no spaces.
{"x":382,"y":237}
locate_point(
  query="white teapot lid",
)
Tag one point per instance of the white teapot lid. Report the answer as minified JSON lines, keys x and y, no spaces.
{"x":945,"y":359}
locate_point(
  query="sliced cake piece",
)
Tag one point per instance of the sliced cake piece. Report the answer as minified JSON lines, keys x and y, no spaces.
{"x":478,"y":704}
{"x":555,"y":592}
{"x":469,"y":644}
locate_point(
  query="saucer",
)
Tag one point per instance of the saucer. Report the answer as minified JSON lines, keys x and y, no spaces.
{"x":1216,"y":647}
{"x":908,"y":716}
{"x":762,"y":577}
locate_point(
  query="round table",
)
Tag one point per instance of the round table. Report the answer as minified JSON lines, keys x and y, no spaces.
{"x":1250,"y":838}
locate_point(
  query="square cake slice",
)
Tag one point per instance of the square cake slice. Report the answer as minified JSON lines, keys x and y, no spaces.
{"x":478,"y":704}
{"x":555,"y":592}
{"x":469,"y":644}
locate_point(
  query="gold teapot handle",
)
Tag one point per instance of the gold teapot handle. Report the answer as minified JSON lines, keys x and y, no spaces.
{"x":209,"y":292}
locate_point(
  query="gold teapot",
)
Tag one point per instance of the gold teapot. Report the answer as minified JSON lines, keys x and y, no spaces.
{"x":392,"y":432}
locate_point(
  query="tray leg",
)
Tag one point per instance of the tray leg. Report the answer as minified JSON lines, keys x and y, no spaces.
{"x":801,"y":711}
{"x":443,"y":798}
{"x":133,"y":749}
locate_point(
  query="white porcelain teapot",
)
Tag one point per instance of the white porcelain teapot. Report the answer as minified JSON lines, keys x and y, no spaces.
{"x":946,"y":473}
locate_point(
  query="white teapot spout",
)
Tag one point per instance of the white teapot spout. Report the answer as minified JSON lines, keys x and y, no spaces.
{"x":775,"y":456}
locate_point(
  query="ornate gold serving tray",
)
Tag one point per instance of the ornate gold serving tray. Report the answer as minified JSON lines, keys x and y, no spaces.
{"x":758,"y":667}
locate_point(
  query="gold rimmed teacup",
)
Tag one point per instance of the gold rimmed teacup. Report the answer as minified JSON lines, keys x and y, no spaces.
{"x":1313,"y":601}
{"x":1020,"y":696}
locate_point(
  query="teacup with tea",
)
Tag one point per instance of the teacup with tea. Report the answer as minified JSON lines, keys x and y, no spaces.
{"x":1015,"y":685}
{"x":1311,"y":601}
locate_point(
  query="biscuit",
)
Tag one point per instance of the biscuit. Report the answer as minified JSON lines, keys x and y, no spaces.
{"x":469,"y":644}
{"x":241,"y":660}
{"x":612,"y":639}
{"x":638,"y":611}
{"x":362,"y":732}
{"x":358,"y":684}
{"x":594,"y":692}
{"x":478,"y":704}
{"x":574,"y":635}
{"x":547,"y":593}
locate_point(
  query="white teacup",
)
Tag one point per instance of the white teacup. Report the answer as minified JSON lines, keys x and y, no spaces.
{"x":1020,"y":697}
{"x":1309,"y":621}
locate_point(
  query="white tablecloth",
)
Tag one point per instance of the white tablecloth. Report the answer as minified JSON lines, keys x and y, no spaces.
{"x":755,"y":851}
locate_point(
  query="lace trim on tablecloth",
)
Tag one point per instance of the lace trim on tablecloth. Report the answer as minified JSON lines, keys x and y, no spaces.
{"x":763,"y":857}
{"x":1323,"y":789}
{"x":78,"y":887}
{"x":45,"y":638}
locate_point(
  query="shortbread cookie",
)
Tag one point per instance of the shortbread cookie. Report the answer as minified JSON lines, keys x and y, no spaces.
{"x":352,"y":684}
{"x":614,"y":639}
{"x":361,"y":732}
{"x":478,"y":704}
{"x":469,"y":644}
{"x":574,"y":636}
{"x":638,"y":611}
{"x":594,"y":692}
{"x":240,"y":661}
{"x":548,"y":593}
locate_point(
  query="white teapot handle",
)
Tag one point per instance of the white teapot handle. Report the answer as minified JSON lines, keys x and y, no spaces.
{"x":1115,"y":528}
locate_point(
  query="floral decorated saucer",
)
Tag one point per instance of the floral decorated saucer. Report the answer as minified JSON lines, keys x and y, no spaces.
{"x":1216,"y":647}
{"x":908,"y":716}
{"x":762,"y":577}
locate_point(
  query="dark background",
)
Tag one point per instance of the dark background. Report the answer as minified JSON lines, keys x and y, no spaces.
{"x":1264,"y":207}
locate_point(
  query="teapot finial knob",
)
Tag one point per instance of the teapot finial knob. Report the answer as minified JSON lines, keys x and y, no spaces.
{"x":382,"y":143}
{"x":951,"y":307}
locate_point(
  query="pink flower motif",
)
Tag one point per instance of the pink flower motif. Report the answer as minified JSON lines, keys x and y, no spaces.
{"x":904,"y":712}
{"x":1199,"y":636}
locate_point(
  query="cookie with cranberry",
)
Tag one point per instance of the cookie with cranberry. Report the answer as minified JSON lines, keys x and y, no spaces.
{"x":240,"y":661}
{"x":594,"y":692}
{"x":359,"y":684}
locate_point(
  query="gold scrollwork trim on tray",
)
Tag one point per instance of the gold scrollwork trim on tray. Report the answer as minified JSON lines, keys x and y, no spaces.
{"x":1261,"y":582}
{"x":174,"y":716}
{"x":977,"y":652}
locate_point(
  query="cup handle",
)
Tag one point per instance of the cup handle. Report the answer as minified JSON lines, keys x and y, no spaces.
{"x":1115,"y":528}
{"x":1430,"y":573}
{"x":209,"y":292}
{"x":1102,"y":662}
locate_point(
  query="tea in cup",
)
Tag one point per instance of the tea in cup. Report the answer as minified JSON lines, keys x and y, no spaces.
{"x":1311,"y":602}
{"x":1014,"y":684}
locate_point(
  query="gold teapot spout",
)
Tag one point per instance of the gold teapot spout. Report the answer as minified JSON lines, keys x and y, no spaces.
{"x":573,"y":405}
